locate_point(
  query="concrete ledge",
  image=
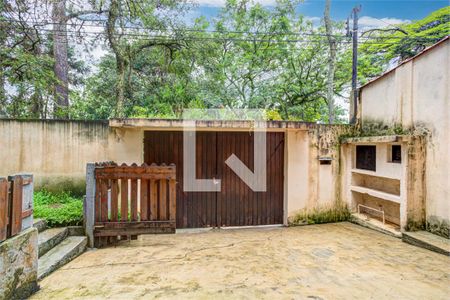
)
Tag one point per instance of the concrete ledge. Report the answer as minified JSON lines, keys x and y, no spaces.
{"x":374,"y":139}
{"x":19,"y":265}
{"x":375,"y":225}
{"x":428,"y":241}
{"x":177,"y":124}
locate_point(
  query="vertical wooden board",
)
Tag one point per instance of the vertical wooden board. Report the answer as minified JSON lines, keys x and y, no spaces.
{"x":104,"y":200}
{"x":269,"y":179}
{"x":16,"y":208}
{"x":182,"y":196}
{"x":228,"y":186}
{"x":104,"y":207}
{"x":240,"y":199}
{"x":114,"y":200}
{"x":3,"y":208}
{"x":162,"y":200}
{"x":204,"y":155}
{"x":153,"y":200}
{"x":145,"y":200}
{"x":124,"y":199}
{"x":172,"y":200}
{"x":265,"y":202}
{"x":247,"y":194}
{"x":97,"y":200}
{"x":219,"y":175}
{"x":133,"y":200}
{"x":280,"y":182}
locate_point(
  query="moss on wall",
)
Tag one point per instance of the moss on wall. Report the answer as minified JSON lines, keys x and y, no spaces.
{"x":439,"y":226}
{"x":73,"y":185}
{"x":319,"y":215}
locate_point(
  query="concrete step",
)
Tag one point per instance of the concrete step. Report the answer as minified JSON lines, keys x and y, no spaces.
{"x":40,"y":224}
{"x":60,"y":255}
{"x":49,"y":238}
{"x":427,"y":240}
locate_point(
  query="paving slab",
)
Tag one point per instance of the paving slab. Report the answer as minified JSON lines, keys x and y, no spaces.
{"x":329,"y":261}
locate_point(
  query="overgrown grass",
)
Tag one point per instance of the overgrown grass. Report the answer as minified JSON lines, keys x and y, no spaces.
{"x":321,"y":215}
{"x":58,"y":209}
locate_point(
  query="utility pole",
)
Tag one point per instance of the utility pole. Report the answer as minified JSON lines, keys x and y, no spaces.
{"x":355,"y":12}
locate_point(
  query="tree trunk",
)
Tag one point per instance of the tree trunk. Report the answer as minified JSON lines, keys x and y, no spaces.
{"x":121,"y":60}
{"x":120,"y":88}
{"x":331,"y":61}
{"x":60,"y":54}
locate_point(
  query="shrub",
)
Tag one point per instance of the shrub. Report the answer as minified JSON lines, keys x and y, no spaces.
{"x":58,"y":209}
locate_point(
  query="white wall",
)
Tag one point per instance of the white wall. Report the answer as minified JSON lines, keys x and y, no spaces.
{"x":417,"y":94}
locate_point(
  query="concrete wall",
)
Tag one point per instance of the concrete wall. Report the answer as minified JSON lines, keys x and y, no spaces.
{"x":19,"y":265}
{"x":56,"y":152}
{"x":416,"y":97}
{"x":312,"y":186}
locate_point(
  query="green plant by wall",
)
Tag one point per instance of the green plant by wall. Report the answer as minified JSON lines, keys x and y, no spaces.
{"x":58,"y":209}
{"x":320,"y":215}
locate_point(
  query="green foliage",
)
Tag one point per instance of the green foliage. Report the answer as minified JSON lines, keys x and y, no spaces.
{"x":249,"y":56}
{"x":58,"y":209}
{"x":407,"y":40}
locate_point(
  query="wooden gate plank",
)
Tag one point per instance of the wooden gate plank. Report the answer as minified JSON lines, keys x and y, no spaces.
{"x":16,"y":206}
{"x":133,"y":200}
{"x":3,"y":208}
{"x":145,"y":200}
{"x":124,"y":199}
{"x":153,"y":200}
{"x":114,"y":200}
{"x":172,"y":199}
{"x":163,"y":200}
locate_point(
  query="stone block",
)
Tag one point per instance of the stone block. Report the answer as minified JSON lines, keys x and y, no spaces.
{"x":19,"y":265}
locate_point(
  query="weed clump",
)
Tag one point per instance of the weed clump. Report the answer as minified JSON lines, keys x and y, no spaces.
{"x":58,"y":209}
{"x":320,"y":215}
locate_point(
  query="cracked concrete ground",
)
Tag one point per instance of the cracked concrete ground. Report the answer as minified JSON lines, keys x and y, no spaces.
{"x":330,"y":261}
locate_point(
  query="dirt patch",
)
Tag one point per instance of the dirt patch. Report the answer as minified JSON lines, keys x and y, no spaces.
{"x":330,"y":261}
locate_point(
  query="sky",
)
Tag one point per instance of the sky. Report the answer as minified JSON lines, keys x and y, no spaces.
{"x":389,"y":11}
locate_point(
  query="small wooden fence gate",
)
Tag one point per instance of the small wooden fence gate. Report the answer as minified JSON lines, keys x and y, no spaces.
{"x":14,"y":207}
{"x":131,"y":200}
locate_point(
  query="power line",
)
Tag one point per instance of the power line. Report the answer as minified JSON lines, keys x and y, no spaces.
{"x":226,"y":32}
{"x":176,"y":37}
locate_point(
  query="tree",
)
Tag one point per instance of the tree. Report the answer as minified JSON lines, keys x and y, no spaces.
{"x":123,"y":13}
{"x":331,"y":61}
{"x":24,"y":63}
{"x":60,"y":55}
{"x":405,"y":40}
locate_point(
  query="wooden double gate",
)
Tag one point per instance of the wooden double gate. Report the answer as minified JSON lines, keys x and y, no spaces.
{"x":133,"y":200}
{"x":236,"y":204}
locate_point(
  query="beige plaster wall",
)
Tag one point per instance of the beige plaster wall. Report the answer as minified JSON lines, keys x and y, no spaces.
{"x":56,"y":152}
{"x":417,"y":95}
{"x":311,"y":185}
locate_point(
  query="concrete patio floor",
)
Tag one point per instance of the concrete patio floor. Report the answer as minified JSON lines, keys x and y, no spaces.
{"x":330,"y":261}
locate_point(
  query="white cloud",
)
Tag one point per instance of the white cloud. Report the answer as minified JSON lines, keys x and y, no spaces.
{"x":370,"y":22}
{"x":220,"y":3}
